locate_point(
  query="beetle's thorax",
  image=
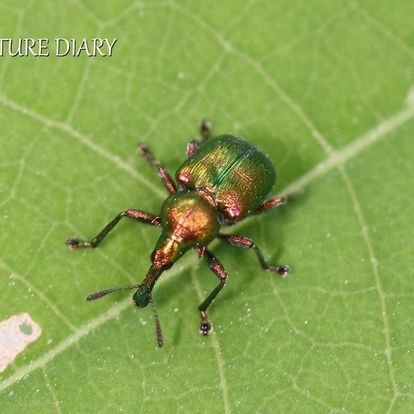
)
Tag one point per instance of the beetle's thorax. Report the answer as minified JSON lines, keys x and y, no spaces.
{"x":188,"y":217}
{"x":188,"y":221}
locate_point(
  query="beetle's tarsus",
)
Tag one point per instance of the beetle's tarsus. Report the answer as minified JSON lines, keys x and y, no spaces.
{"x":282,"y":270}
{"x":145,"y":152}
{"x":77,"y":243}
{"x":205,"y":129}
{"x":206,"y":328}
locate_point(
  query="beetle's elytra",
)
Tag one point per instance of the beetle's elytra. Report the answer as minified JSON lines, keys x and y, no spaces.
{"x":223,"y":180}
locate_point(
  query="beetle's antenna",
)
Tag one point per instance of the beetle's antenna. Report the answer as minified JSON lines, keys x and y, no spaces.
{"x":158,"y":332}
{"x":98,"y":295}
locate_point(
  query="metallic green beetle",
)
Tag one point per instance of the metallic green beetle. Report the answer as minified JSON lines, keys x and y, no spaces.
{"x":223,"y":180}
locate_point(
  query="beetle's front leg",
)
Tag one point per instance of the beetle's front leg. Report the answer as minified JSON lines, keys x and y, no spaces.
{"x":246,"y":243}
{"x":205,"y":130}
{"x":134,"y":214}
{"x":218,"y":269}
{"x":154,"y":163}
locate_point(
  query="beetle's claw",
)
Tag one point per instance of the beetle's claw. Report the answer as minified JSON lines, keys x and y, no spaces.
{"x":206,"y":328}
{"x":143,"y":150}
{"x":205,"y":128}
{"x":283,"y":270}
{"x":75,"y":243}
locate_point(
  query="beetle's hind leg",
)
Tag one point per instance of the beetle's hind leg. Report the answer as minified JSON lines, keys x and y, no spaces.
{"x":268,"y":204}
{"x":246,"y":243}
{"x":205,"y":128}
{"x":154,"y":163}
{"x":218,"y":269}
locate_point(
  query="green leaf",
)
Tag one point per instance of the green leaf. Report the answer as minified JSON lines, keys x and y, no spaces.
{"x":325,"y":88}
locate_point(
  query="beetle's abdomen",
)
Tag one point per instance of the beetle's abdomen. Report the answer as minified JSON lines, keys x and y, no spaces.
{"x":237,"y":174}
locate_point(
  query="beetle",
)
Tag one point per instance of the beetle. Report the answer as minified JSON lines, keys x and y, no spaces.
{"x":223,"y":180}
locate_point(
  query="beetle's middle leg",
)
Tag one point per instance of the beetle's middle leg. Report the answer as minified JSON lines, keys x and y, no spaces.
{"x":246,"y":243}
{"x":218,"y":269}
{"x":205,"y":130}
{"x":154,"y":163}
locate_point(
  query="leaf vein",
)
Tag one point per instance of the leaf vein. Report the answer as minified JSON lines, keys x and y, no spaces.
{"x":382,"y":297}
{"x":280,"y":92}
{"x":83,"y":139}
{"x":385,"y":31}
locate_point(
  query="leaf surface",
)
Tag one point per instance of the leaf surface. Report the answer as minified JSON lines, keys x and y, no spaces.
{"x":324,"y":88}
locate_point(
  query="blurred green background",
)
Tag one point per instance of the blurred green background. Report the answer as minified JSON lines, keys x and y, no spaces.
{"x":323,"y":87}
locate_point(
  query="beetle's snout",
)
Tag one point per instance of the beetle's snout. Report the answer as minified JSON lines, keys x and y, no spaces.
{"x":165,"y":253}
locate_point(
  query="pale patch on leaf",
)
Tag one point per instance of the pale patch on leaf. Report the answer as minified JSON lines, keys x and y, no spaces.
{"x":16,"y":333}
